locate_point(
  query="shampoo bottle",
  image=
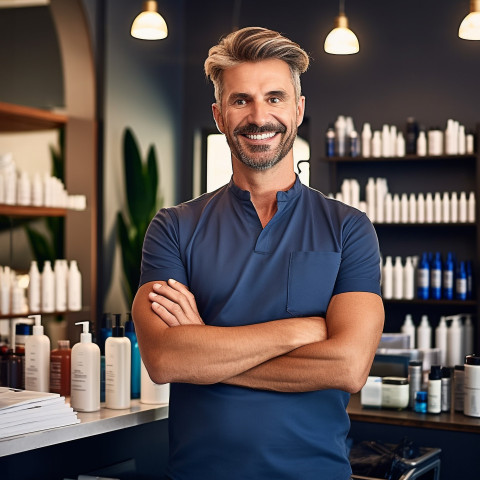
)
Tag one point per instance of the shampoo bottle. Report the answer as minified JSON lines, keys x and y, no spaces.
{"x":34,"y":288}
{"x":117,"y":368}
{"x":135,"y":377}
{"x":424,"y":334}
{"x":85,"y":379}
{"x":436,"y":277}
{"x":37,"y":358}
{"x":423,"y":278}
{"x":60,"y":368}
{"x":435,"y":389}
{"x":48,"y":287}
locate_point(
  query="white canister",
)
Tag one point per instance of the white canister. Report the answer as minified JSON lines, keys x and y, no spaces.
{"x":395,"y":392}
{"x":471,"y":405}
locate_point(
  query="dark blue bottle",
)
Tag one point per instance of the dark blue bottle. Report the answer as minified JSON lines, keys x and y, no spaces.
{"x":448,"y":277}
{"x":461,"y":283}
{"x":423,"y":277}
{"x":136,"y":362}
{"x":469,"y":280}
{"x":330,"y":142}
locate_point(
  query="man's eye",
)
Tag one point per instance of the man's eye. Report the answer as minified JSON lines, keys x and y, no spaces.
{"x":274,"y":100}
{"x":240,"y":101}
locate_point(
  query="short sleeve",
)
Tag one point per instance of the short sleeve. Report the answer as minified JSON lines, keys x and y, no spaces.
{"x":161,"y":258}
{"x":360,"y":264}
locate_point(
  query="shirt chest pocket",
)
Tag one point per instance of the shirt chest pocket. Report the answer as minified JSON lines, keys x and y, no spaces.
{"x":311,"y":278}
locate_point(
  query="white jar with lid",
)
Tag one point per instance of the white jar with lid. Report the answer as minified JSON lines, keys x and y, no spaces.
{"x":471,"y":406}
{"x":395,"y":392}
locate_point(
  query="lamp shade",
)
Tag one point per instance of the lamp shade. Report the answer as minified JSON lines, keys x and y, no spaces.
{"x":341,"y":40}
{"x":149,"y":25}
{"x":470,"y":27}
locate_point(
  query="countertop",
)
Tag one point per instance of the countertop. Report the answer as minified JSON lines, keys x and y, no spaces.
{"x":94,"y":423}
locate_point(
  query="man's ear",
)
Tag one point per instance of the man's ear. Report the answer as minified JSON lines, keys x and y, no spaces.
{"x":300,"y":110}
{"x":217,"y":115}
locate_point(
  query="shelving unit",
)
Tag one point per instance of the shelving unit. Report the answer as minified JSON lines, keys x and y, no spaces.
{"x":415,"y":174}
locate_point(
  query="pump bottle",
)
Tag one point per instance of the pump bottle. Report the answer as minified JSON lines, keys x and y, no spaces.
{"x":37,"y":358}
{"x":85,"y":379}
{"x":117,"y":368}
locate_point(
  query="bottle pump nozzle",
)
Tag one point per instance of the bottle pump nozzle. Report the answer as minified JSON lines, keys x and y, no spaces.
{"x":37,"y":327}
{"x":118,"y":330}
{"x":85,"y":336}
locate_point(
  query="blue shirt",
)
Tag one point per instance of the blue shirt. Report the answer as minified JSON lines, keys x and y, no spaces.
{"x":313,"y":248}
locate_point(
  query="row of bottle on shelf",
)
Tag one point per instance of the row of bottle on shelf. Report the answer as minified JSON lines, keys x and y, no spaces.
{"x":381,"y":206}
{"x":56,"y":289}
{"x":87,"y":373}
{"x":433,"y":393}
{"x":427,"y":277}
{"x":342,"y":139}
{"x":18,"y":188}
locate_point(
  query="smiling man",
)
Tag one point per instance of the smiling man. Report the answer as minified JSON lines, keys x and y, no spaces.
{"x":259,"y":302}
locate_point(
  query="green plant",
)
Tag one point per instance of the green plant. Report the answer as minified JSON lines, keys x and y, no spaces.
{"x":143,"y":201}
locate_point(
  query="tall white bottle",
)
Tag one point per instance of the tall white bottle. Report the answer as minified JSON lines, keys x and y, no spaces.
{"x":471,"y":207}
{"x":398,"y":278}
{"x":34,"y":287}
{"x":117,"y":368}
{"x":152,"y":393}
{"x":455,"y":342}
{"x":424,"y":334}
{"x":441,"y":340}
{"x":37,"y":358}
{"x":85,"y":377}
{"x":421,"y":208}
{"x":387,"y":279}
{"x":409,"y":328}
{"x":469,"y":335}
{"x":370,"y":194}
{"x":60,"y":285}
{"x":409,"y":279}
{"x":48,"y":287}
{"x":366,"y":140}
{"x":74,"y":286}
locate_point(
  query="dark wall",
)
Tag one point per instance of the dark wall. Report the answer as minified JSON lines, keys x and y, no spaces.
{"x":411,"y":63}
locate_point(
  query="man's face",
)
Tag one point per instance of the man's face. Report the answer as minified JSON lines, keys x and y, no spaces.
{"x":259,"y":115}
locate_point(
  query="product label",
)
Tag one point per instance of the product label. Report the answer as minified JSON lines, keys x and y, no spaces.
{"x":423,"y":280}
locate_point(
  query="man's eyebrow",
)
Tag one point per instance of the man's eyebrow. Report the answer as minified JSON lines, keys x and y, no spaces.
{"x":237,"y":95}
{"x":277,"y":93}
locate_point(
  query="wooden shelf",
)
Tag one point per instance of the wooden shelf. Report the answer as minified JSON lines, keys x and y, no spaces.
{"x":445,"y":421}
{"x":424,"y":224}
{"x":406,"y":158}
{"x":18,"y":118}
{"x":28,"y":211}
{"x":433,"y":303}
{"x":44,"y":314}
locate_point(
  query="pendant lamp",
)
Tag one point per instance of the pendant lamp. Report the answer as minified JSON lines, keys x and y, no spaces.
{"x":341,"y":40}
{"x":470,"y":27}
{"x":149,"y":24}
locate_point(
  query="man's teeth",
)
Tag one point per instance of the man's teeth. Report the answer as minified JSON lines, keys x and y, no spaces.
{"x":263,"y":136}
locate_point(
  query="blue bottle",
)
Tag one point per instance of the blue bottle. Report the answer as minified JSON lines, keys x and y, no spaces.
{"x":330,"y":142}
{"x":469,"y":280}
{"x":461,"y":283}
{"x":423,"y":278}
{"x":136,"y":362}
{"x":448,"y":277}
{"x":436,"y":277}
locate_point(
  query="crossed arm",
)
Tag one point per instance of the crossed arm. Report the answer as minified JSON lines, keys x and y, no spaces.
{"x":290,"y":355}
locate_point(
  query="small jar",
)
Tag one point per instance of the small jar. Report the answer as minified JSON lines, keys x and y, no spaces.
{"x":395,"y":392}
{"x":421,"y":402}
{"x":471,"y":405}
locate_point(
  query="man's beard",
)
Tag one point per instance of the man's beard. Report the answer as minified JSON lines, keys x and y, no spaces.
{"x":270,"y":157}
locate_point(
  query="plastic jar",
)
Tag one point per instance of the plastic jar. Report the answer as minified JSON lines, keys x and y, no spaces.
{"x":395,"y":392}
{"x":471,"y":405}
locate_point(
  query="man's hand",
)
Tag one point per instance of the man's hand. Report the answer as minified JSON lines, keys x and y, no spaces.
{"x":174,"y":304}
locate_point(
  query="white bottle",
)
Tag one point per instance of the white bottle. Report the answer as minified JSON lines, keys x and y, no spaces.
{"x":462,"y":208}
{"x":340,"y":135}
{"x":409,"y":329}
{"x":37,"y":358}
{"x":446,"y":208}
{"x":469,"y":144}
{"x":421,"y":144}
{"x":408,"y":279}
{"x":396,"y":208}
{"x":454,"y":208}
{"x":441,"y":340}
{"x":366,"y":140}
{"x":412,"y":208}
{"x":85,"y":373}
{"x":387,"y":279}
{"x":24,"y":189}
{"x":34,"y":287}
{"x":400,"y":145}
{"x":386,"y":143}
{"x":429,"y":208}
{"x":434,"y":392}
{"x":471,"y":207}
{"x":398,"y":279}
{"x":404,"y":208}
{"x":48,"y":288}
{"x":152,"y":393}
{"x":424,"y":334}
{"x":376,"y":144}
{"x":345,"y":189}
{"x":60,"y":286}
{"x":437,"y":208}
{"x":74,"y":286}
{"x":354,"y":193}
{"x":420,"y":208}
{"x":461,"y":140}
{"x":468,"y":335}
{"x":393,"y":140}
{"x":388,"y":208}
{"x":370,"y":198}
{"x":380,"y":192}
{"x":455,"y":342}
{"x":117,"y":368}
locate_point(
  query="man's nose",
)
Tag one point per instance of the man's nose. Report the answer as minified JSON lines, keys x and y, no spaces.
{"x":259,"y":113}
